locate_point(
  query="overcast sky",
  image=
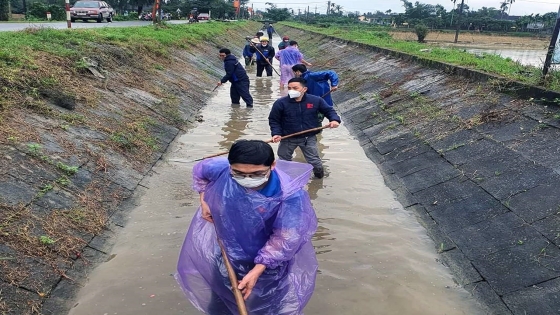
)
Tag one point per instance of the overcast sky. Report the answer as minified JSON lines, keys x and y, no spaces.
{"x":519,"y":7}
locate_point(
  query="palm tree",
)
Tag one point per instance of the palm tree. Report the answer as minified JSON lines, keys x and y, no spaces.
{"x":510,"y":3}
{"x":338,"y":9}
{"x":503,"y":8}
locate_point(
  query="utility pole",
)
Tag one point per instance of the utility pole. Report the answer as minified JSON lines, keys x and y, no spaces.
{"x":552,"y":46}
{"x":315,"y":9}
{"x":328,"y":7}
{"x":307,"y":17}
{"x":459,"y":21}
{"x":67,"y":8}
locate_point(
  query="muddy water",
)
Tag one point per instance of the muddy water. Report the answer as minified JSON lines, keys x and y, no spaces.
{"x":374,"y":257}
{"x":530,"y":57}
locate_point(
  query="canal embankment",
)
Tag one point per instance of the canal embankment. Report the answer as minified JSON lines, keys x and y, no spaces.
{"x":478,"y":166}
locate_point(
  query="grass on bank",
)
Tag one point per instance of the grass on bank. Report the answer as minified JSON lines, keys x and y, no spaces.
{"x":488,"y":63}
{"x":36,"y":61}
{"x":18,"y":48}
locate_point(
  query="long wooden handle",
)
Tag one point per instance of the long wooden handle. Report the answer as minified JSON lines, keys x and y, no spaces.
{"x":251,"y":43}
{"x":233,"y":279}
{"x":267,"y":141}
{"x":300,"y":133}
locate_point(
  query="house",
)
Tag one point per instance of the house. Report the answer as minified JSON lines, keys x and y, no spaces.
{"x":535,"y":26}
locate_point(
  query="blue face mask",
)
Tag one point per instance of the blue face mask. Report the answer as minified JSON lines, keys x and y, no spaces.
{"x":251,"y":182}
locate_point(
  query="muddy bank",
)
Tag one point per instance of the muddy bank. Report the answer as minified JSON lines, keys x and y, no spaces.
{"x":72,"y":158}
{"x":478,"y":167}
{"x":479,"y":39}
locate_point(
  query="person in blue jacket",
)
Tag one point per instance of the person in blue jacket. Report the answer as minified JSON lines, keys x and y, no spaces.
{"x":319,"y":83}
{"x":247,"y":54}
{"x":265,"y":55}
{"x":235,"y":73}
{"x":298,"y":112}
{"x":270,"y":31}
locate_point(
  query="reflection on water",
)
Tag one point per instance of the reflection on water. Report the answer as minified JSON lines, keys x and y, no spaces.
{"x":235,"y":126}
{"x":530,"y":57}
{"x":322,"y":240}
{"x":374,"y":257}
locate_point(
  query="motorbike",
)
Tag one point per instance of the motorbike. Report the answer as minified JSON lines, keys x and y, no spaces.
{"x":145,"y":16}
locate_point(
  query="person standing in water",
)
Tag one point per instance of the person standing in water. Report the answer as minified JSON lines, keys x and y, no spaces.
{"x":236,"y":74}
{"x":288,"y":58}
{"x":259,"y":210}
{"x":298,"y":112}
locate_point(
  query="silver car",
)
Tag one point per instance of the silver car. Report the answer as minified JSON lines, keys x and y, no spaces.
{"x":91,"y":10}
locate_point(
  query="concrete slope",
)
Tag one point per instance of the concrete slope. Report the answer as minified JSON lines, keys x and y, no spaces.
{"x":480,"y":168}
{"x":68,"y":176}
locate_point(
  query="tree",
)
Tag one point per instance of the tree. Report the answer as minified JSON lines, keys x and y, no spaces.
{"x":503,"y":8}
{"x":18,"y":6}
{"x":338,"y":9}
{"x":454,"y":5}
{"x":4,"y":10}
{"x":549,"y":19}
{"x":275,"y":14}
{"x":421,"y":31}
{"x":510,"y":3}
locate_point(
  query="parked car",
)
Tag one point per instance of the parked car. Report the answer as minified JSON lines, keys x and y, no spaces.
{"x":91,"y":10}
{"x":203,"y":16}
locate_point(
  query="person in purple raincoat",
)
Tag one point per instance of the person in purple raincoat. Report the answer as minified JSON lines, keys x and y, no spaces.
{"x":289,"y":57}
{"x":259,"y":210}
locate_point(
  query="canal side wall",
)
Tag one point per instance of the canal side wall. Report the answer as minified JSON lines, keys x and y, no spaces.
{"x":69,"y":177}
{"x":478,"y":166}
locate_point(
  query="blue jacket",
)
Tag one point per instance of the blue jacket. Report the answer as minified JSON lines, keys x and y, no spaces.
{"x":318,"y":83}
{"x":234,"y":71}
{"x":267,"y":51}
{"x":288,"y":116}
{"x":247,"y":51}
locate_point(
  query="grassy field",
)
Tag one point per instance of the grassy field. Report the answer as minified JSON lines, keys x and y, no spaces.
{"x":403,"y":42}
{"x":38,"y":58}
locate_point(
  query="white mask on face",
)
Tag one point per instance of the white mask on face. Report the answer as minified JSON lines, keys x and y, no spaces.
{"x":294,"y":93}
{"x":251,"y":182}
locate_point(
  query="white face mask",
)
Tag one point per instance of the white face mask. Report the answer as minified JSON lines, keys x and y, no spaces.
{"x":294,"y":93}
{"x":251,"y":182}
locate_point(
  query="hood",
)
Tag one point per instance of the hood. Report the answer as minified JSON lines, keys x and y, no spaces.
{"x":293,"y":175}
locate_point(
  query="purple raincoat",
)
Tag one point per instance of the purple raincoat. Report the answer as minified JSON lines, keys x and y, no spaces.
{"x":275,"y":231}
{"x":288,"y":57}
